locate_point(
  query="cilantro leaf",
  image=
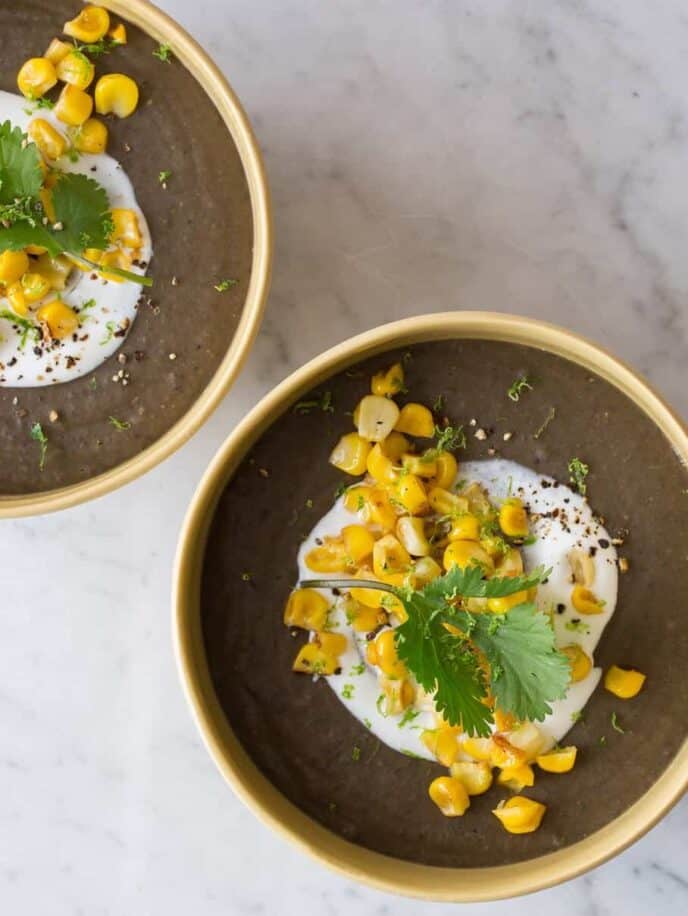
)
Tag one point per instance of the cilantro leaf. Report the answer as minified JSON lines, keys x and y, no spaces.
{"x":470,"y":583}
{"x":20,"y":171}
{"x":21,"y":234}
{"x":82,"y":206}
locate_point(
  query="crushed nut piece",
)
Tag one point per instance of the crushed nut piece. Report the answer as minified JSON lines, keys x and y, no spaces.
{"x":507,"y":436}
{"x":624,"y":565}
{"x":473,"y":422}
{"x":121,"y":358}
{"x":174,"y":281}
{"x":173,"y":355}
{"x":53,"y":416}
{"x":263,"y":472}
{"x":480,"y":434}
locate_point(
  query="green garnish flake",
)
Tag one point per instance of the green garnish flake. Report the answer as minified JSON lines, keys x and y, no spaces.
{"x":110,"y":327}
{"x":379,"y":704}
{"x":367,"y":723}
{"x":578,"y":472}
{"x":551,"y":414}
{"x":341,"y":490}
{"x":224,"y":285}
{"x":408,"y":716}
{"x":439,"y":404}
{"x":348,"y":691}
{"x":85,"y":306}
{"x":577,"y":626}
{"x":407,"y":753}
{"x":357,"y":669}
{"x":246,"y":577}
{"x":448,"y":439}
{"x":616,"y":726}
{"x":164,"y":53}
{"x":164,"y":177}
{"x":309,"y":503}
{"x":97,"y":48}
{"x":518,"y":387}
{"x":27,"y":328}
{"x":40,"y":103}
{"x":324,"y":403}
{"x":39,"y":436}
{"x":120,"y":425}
{"x":577,"y":716}
{"x":603,"y":740}
{"x":355,"y":753}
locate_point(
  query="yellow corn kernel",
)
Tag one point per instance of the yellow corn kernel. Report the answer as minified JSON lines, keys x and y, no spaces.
{"x":445,"y":503}
{"x":394,"y":446}
{"x":55,"y":270}
{"x":388,"y":383}
{"x":375,"y":417}
{"x":307,"y":609}
{"x":513,"y":518}
{"x":465,"y":528}
{"x":89,"y":26}
{"x":356,"y":498}
{"x":380,"y":467}
{"x":426,"y":570}
{"x":582,"y":566}
{"x":465,"y":554}
{"x":581,"y":664}
{"x":416,"y":420}
{"x":126,"y":223}
{"x":118,"y":34}
{"x":116,"y":94}
{"x":60,"y":318}
{"x":358,"y":542}
{"x":477,"y":499}
{"x":16,"y":298}
{"x":382,"y":652}
{"x":529,"y":739}
{"x":410,"y":492}
{"x":92,"y":137}
{"x":36,"y":77}
{"x":450,"y":796}
{"x":57,"y":50}
{"x":390,"y":557}
{"x":321,"y":655}
{"x":517,"y":778}
{"x":350,"y":454}
{"x":446,"y":470}
{"x":502,"y":605}
{"x":476,"y":775}
{"x":510,"y":563}
{"x":419,"y":465}
{"x":442,"y":743}
{"x":12,"y":265}
{"x":504,"y":721}
{"x":504,"y":754}
{"x":379,"y":510}
{"x":411,"y":533}
{"x":34,"y":286}
{"x":75,"y":68}
{"x":478,"y":748}
{"x":74,"y":106}
{"x":398,"y":696}
{"x":369,"y":597}
{"x":519,"y":814}
{"x":559,"y":761}
{"x":623,"y":682}
{"x":328,"y":557}
{"x":115,"y":258}
{"x":585,"y":601}
{"x":49,"y":141}
{"x":364,"y":619}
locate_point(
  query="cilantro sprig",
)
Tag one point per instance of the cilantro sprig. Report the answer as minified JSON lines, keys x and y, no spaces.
{"x":444,"y":647}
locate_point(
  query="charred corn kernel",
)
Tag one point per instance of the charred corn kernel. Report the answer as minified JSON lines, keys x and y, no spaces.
{"x":328,"y":557}
{"x":49,"y":141}
{"x":75,"y":68}
{"x":389,"y":557}
{"x":394,"y":446}
{"x":476,"y":775}
{"x":559,"y":761}
{"x":389,"y":382}
{"x":350,"y":454}
{"x":504,"y":721}
{"x":60,"y":318}
{"x":74,"y":106}
{"x":380,"y":511}
{"x":16,"y":298}
{"x":411,"y":533}
{"x":356,"y":498}
{"x":115,"y":258}
{"x":12,"y":265}
{"x":369,"y":597}
{"x":380,"y":467}
{"x":118,"y":34}
{"x":92,"y":137}
{"x":375,"y":417}
{"x":446,"y":470}
{"x":89,"y":26}
{"x":321,"y":655}
{"x":358,"y":542}
{"x":477,"y":500}
{"x":36,"y":77}
{"x":94,"y":255}
{"x":398,"y":696}
{"x":504,"y":754}
{"x":623,"y":682}
{"x":46,"y":198}
{"x":416,"y":420}
{"x":442,"y":743}
{"x":425,"y":570}
{"x":527,"y":738}
{"x":581,"y":664}
{"x":478,"y":748}
{"x":126,"y":223}
{"x":450,"y":796}
{"x":513,"y":518}
{"x":582,"y":567}
{"x":510,"y":563}
{"x":55,"y":270}
{"x":502,"y":605}
{"x":410,"y":492}
{"x":364,"y":619}
{"x":34,"y":286}
{"x":307,"y":609}
{"x":116,"y":94}
{"x":445,"y":503}
{"x":419,"y":465}
{"x":520,"y":815}
{"x":585,"y":601}
{"x":517,"y":778}
{"x":57,"y":50}
{"x":382,"y":651}
{"x":465,"y":528}
{"x":465,"y":554}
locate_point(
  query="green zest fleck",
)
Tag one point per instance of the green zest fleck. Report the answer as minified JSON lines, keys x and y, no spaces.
{"x":164,"y":177}
{"x":438,"y":406}
{"x":367,"y":723}
{"x":39,"y":436}
{"x":551,"y":414}
{"x":577,"y":716}
{"x":517,"y":388}
{"x":409,"y":753}
{"x":97,"y":48}
{"x":409,"y":716}
{"x":355,"y":753}
{"x":577,"y":626}
{"x":616,"y":726}
{"x":246,"y":577}
{"x":309,"y":503}
{"x":324,"y":403}
{"x":379,"y":704}
{"x":110,"y":333}
{"x":27,"y":328}
{"x":449,"y":439}
{"x":348,"y":691}
{"x":120,"y":425}
{"x":357,"y":669}
{"x":164,"y":53}
{"x":224,"y":285}
{"x":341,"y":490}
{"x":578,"y":472}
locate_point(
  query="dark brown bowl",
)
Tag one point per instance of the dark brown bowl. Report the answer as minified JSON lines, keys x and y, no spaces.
{"x":285,"y":742}
{"x":212,"y":222}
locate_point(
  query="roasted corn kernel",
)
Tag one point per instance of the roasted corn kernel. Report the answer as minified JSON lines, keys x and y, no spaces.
{"x":426,"y":570}
{"x":411,"y":533}
{"x":465,"y":554}
{"x":410,"y":493}
{"x":29,"y":289}
{"x":520,"y":815}
{"x":36,"y":77}
{"x":581,"y":664}
{"x":118,"y":258}
{"x":116,"y":94}
{"x":561,"y":760}
{"x":465,"y":527}
{"x":358,"y":543}
{"x":57,"y":50}
{"x":328,"y":557}
{"x":416,"y":420}
{"x":307,"y":609}
{"x":502,"y":605}
{"x":350,"y":454}
{"x":89,"y":26}
{"x":75,"y":68}
{"x":450,"y":796}
{"x":445,"y":503}
{"x":517,"y":778}
{"x":476,"y":775}
{"x":420,"y":465}
{"x":55,"y":270}
{"x":74,"y":106}
{"x":623,"y":682}
{"x":12,"y":265}
{"x":382,"y":652}
{"x":510,"y":563}
{"x":118,"y":34}
{"x":375,"y":417}
{"x":92,"y":137}
{"x":59,"y":317}
{"x":446,"y":470}
{"x":390,"y":557}
{"x":585,"y":601}
{"x":49,"y":141}
{"x":442,"y":743}
{"x":380,"y":467}
{"x":389,"y":382}
{"x":513,"y":519}
{"x":321,"y":655}
{"x":398,"y":695}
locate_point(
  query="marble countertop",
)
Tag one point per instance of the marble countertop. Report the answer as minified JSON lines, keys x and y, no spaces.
{"x":527,"y":157}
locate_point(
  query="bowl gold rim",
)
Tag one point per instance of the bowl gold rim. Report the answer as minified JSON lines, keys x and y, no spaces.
{"x":375,"y":869}
{"x":164,"y":29}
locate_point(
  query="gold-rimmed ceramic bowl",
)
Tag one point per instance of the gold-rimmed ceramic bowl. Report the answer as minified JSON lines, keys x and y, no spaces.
{"x":211,"y":222}
{"x":284,"y":742}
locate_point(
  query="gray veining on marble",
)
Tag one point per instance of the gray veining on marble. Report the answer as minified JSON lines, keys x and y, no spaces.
{"x":521,"y":156}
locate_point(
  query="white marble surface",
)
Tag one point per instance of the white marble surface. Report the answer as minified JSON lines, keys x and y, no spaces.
{"x":522,"y":156}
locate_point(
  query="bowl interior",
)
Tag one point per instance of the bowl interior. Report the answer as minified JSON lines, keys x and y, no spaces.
{"x":296,"y":731}
{"x":202,"y":231}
